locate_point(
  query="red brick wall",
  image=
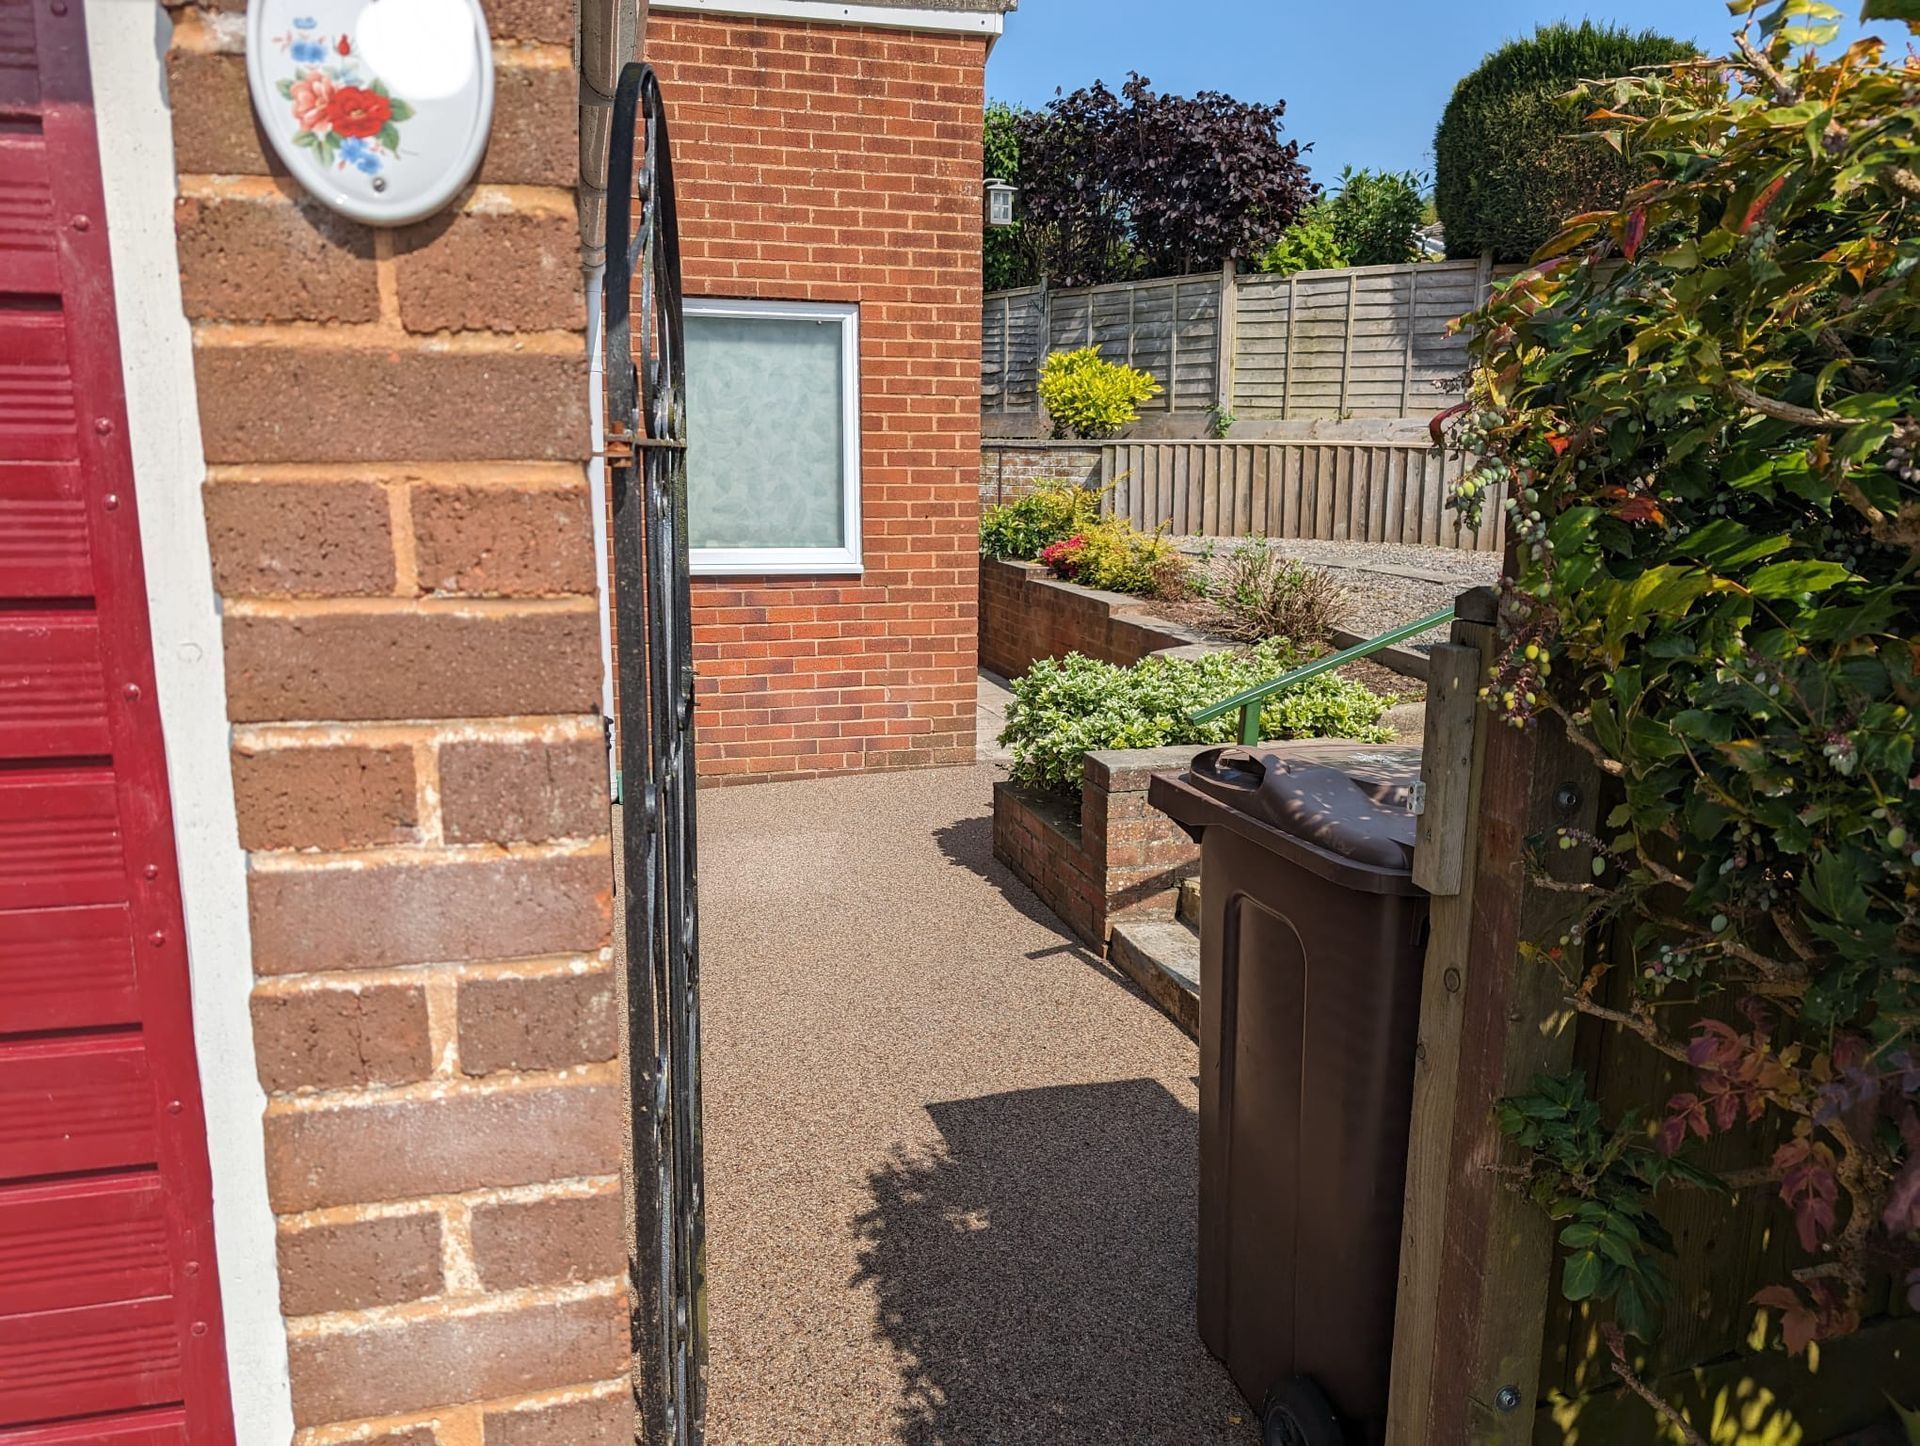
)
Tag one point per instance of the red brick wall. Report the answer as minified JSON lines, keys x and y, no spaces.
{"x":1103,"y":856}
{"x":1026,"y":613}
{"x":396,"y":430}
{"x":835,"y":163}
{"x":1009,"y":470}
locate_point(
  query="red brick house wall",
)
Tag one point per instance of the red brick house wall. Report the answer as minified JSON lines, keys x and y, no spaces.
{"x":395,"y":428}
{"x":836,"y":163}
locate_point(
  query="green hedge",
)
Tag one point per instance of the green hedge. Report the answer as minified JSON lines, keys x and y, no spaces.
{"x":1512,"y":159}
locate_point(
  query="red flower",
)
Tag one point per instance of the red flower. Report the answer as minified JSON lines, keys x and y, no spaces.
{"x":357,"y":112}
{"x":344,"y":47}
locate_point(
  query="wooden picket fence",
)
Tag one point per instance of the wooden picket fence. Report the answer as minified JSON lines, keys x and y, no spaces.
{"x":1386,"y":491}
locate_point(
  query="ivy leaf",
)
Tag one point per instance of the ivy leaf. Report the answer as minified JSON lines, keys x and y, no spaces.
{"x":1580,"y":1277}
{"x":1631,"y":1310}
{"x":1617,"y":1249}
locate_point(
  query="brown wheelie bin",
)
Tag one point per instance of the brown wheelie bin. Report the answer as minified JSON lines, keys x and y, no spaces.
{"x":1311,"y":938}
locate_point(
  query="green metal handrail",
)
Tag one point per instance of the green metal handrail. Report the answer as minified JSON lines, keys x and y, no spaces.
{"x":1249,"y":702}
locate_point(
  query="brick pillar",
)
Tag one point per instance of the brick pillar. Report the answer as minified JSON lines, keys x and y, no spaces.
{"x":395,"y":425}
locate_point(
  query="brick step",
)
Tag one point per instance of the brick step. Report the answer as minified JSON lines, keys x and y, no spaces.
{"x":1187,"y":907}
{"x":1162,"y":956}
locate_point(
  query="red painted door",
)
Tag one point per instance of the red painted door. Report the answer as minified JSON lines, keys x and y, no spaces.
{"x":109,"y":1311}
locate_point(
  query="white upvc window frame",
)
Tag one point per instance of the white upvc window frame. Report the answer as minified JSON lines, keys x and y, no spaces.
{"x":798,"y":561}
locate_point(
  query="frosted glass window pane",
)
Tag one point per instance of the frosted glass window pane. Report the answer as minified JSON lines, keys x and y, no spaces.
{"x":765,"y":431}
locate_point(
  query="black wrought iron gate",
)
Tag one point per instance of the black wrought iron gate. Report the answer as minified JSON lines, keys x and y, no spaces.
{"x":647,"y":476}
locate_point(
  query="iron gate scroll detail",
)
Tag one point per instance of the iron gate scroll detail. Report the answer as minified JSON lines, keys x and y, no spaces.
{"x":647,"y":475}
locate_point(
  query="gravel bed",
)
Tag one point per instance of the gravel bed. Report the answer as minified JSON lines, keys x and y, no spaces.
{"x":1386,"y":583}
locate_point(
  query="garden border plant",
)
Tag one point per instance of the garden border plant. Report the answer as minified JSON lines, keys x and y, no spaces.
{"x":1063,"y":708}
{"x":1707,"y":406}
{"x":1089,"y":397}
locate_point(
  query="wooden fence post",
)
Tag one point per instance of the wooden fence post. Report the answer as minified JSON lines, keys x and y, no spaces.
{"x":1476,"y":1259}
{"x":1413,"y":323}
{"x":1346,"y":348}
{"x":1229,"y":325}
{"x":1286,"y":367}
{"x":1443,"y":865}
{"x":1006,"y":352}
{"x":1043,"y":341}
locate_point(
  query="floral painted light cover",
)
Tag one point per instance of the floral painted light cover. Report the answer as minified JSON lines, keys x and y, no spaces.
{"x":349,"y":135}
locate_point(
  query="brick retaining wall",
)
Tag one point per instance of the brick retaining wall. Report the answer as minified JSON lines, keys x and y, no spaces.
{"x":1026,"y":613}
{"x":1116,"y":855}
{"x":1008,"y":471}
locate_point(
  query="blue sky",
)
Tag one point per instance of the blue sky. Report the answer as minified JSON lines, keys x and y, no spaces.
{"x":1364,"y":80}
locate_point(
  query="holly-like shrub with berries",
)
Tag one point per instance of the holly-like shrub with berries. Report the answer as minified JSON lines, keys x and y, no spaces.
{"x":1704,"y":409}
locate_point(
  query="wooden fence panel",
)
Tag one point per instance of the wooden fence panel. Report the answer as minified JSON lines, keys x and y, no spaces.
{"x":1393,"y":492}
{"x":1011,"y":348}
{"x":1170,"y":328}
{"x":1366,"y":341}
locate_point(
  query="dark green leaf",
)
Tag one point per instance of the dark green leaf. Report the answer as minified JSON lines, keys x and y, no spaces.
{"x":1581,"y":1275}
{"x":1790,"y":579}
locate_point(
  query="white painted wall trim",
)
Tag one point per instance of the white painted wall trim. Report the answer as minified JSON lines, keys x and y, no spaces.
{"x":127,"y":42}
{"x":989,"y":23}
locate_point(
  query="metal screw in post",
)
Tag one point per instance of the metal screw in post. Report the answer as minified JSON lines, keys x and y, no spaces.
{"x":1508,"y":1399}
{"x":1567,"y":798}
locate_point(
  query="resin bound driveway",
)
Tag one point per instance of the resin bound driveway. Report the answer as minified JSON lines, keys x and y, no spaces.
{"x":950,"y":1156}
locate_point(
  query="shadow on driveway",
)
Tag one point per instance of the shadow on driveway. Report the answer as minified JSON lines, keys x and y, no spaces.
{"x":1034,"y":1273}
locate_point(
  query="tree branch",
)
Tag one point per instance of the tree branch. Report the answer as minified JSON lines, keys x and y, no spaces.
{"x":1795,"y":936}
{"x":1783,"y":89}
{"x":1900,"y":530}
{"x":1785,"y":978}
{"x":1787,"y":411}
{"x":1664,"y":1409}
{"x":1638,"y":1023}
{"x":1577,"y":735}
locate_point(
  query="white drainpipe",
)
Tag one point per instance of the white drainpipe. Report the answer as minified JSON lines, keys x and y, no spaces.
{"x":597,"y":488}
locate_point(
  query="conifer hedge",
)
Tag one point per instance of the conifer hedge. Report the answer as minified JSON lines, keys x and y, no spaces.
{"x":1512,"y":159}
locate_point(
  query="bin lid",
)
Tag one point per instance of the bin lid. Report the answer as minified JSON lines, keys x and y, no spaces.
{"x":1349,"y":803}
